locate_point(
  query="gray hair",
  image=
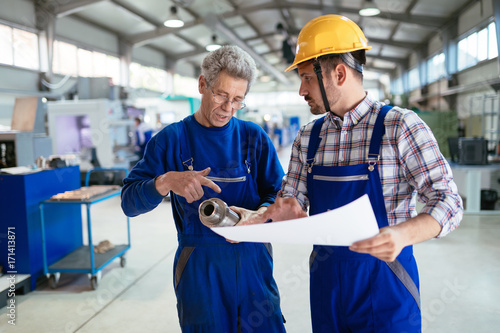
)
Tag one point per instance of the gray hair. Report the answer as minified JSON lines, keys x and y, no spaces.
{"x":232,"y":59}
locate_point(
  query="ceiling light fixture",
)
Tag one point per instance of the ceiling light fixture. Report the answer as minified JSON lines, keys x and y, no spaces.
{"x":369,"y":9}
{"x":174,"y":21}
{"x":214,"y":46}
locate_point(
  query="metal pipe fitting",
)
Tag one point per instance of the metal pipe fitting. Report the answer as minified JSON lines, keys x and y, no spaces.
{"x":216,"y":213}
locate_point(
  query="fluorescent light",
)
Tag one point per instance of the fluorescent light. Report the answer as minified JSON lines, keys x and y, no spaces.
{"x":212,"y":47}
{"x":369,"y":12}
{"x":174,"y":21}
{"x":369,"y":9}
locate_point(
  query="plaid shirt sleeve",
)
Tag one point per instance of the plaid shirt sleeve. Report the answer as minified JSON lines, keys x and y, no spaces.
{"x":295,"y":182}
{"x":411,"y":164}
{"x":427,"y":171}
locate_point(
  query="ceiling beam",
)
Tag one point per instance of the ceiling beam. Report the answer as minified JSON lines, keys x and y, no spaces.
{"x":74,"y":7}
{"x":424,"y":20}
{"x":146,"y":37}
{"x":215,"y":24}
{"x":401,"y":61}
{"x":260,"y":36}
{"x":390,"y":42}
{"x":156,"y":24}
{"x":427,"y":21}
{"x":137,"y":13}
{"x":287,"y":16}
{"x":250,"y":24}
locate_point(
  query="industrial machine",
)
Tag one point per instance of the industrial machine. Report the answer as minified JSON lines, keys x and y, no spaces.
{"x":97,"y":127}
{"x":27,"y":140}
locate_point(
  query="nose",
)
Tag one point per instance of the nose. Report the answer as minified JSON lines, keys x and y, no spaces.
{"x":227,"y":106}
{"x":302,"y":91}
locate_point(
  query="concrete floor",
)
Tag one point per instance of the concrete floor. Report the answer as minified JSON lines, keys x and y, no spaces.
{"x":460,"y":281}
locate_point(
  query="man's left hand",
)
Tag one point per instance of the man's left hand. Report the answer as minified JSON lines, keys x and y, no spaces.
{"x":249,"y":216}
{"x":386,"y":246}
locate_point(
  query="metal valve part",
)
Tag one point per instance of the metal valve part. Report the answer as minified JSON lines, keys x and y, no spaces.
{"x":216,"y":213}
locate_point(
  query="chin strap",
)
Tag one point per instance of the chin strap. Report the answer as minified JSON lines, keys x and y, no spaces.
{"x":319,"y":74}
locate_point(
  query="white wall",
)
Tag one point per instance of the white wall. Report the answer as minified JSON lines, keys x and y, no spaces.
{"x":148,"y":56}
{"x":21,"y":12}
{"x":478,"y":13}
{"x":435,"y":45}
{"x":6,"y":108}
{"x":84,"y":34}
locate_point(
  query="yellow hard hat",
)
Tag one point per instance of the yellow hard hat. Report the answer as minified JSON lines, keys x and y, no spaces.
{"x":328,"y":34}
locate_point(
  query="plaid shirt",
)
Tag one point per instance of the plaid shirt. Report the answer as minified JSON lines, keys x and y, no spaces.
{"x":410,"y":162}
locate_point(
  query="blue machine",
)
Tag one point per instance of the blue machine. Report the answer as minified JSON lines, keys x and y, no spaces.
{"x":20,"y":196}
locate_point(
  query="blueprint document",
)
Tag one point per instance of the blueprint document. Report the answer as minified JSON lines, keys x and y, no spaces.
{"x":342,"y":227}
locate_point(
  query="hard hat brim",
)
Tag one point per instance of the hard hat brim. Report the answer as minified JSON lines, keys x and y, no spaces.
{"x":296,"y":63}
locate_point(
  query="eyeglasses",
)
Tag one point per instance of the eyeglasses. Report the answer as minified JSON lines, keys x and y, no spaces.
{"x":219,"y":99}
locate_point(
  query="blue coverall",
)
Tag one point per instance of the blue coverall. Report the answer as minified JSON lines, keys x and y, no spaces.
{"x":350,"y":291}
{"x":220,"y":286}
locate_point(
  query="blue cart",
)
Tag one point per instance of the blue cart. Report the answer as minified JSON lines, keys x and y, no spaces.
{"x":83,"y":259}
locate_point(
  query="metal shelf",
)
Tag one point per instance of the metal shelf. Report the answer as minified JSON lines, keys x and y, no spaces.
{"x":83,"y":259}
{"x":78,"y":261}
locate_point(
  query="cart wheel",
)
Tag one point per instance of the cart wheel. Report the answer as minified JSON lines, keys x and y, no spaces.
{"x":94,"y":283}
{"x":53,"y":281}
{"x":123,"y":261}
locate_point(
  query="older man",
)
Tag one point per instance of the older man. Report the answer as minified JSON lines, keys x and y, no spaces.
{"x":220,"y":286}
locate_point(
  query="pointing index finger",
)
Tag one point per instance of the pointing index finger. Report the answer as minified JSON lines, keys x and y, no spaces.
{"x":207,"y":182}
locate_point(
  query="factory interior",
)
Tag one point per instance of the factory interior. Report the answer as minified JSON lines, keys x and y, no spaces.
{"x":76,"y":75}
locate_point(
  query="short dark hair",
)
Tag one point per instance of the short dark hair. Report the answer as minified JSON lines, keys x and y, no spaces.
{"x":330,"y":61}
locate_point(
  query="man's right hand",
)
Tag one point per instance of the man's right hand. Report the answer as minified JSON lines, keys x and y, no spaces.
{"x":187,"y":184}
{"x":284,"y":209}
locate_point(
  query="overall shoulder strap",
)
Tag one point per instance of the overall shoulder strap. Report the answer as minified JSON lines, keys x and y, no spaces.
{"x":378,"y":133}
{"x":186,"y":157}
{"x":314,"y":140}
{"x":395,"y":266}
{"x":245,"y":134}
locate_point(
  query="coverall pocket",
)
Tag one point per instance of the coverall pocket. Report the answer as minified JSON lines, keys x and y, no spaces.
{"x":181,"y":263}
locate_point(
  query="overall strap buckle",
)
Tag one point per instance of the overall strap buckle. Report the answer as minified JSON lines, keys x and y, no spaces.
{"x":372,"y":161}
{"x":309,"y":163}
{"x":188,"y":164}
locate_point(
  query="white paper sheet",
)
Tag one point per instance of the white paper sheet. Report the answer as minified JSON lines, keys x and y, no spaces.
{"x":342,"y":227}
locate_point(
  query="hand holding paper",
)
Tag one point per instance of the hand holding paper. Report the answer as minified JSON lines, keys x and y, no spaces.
{"x":342,"y":227}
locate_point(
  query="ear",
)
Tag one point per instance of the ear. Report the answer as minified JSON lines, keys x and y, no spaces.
{"x":340,"y":74}
{"x":202,"y":84}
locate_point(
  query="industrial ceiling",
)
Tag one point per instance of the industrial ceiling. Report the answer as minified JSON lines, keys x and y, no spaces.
{"x":401,"y":27}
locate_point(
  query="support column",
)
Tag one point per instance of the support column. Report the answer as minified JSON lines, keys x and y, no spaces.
{"x":125,"y":53}
{"x":450,"y":49}
{"x":496,"y":13}
{"x":46,"y":24}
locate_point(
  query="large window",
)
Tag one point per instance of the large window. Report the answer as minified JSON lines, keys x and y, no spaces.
{"x":65,"y":59}
{"x":274,"y":99}
{"x":18,"y":48}
{"x":413,"y":79}
{"x":397,"y":87}
{"x":478,"y":46}
{"x":185,"y":86}
{"x":149,"y":78}
{"x":6,"y":56}
{"x":435,"y":68}
{"x":74,"y":61}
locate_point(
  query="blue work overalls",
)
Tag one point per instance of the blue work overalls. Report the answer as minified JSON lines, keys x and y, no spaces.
{"x":221,"y":286}
{"x":350,"y":291}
